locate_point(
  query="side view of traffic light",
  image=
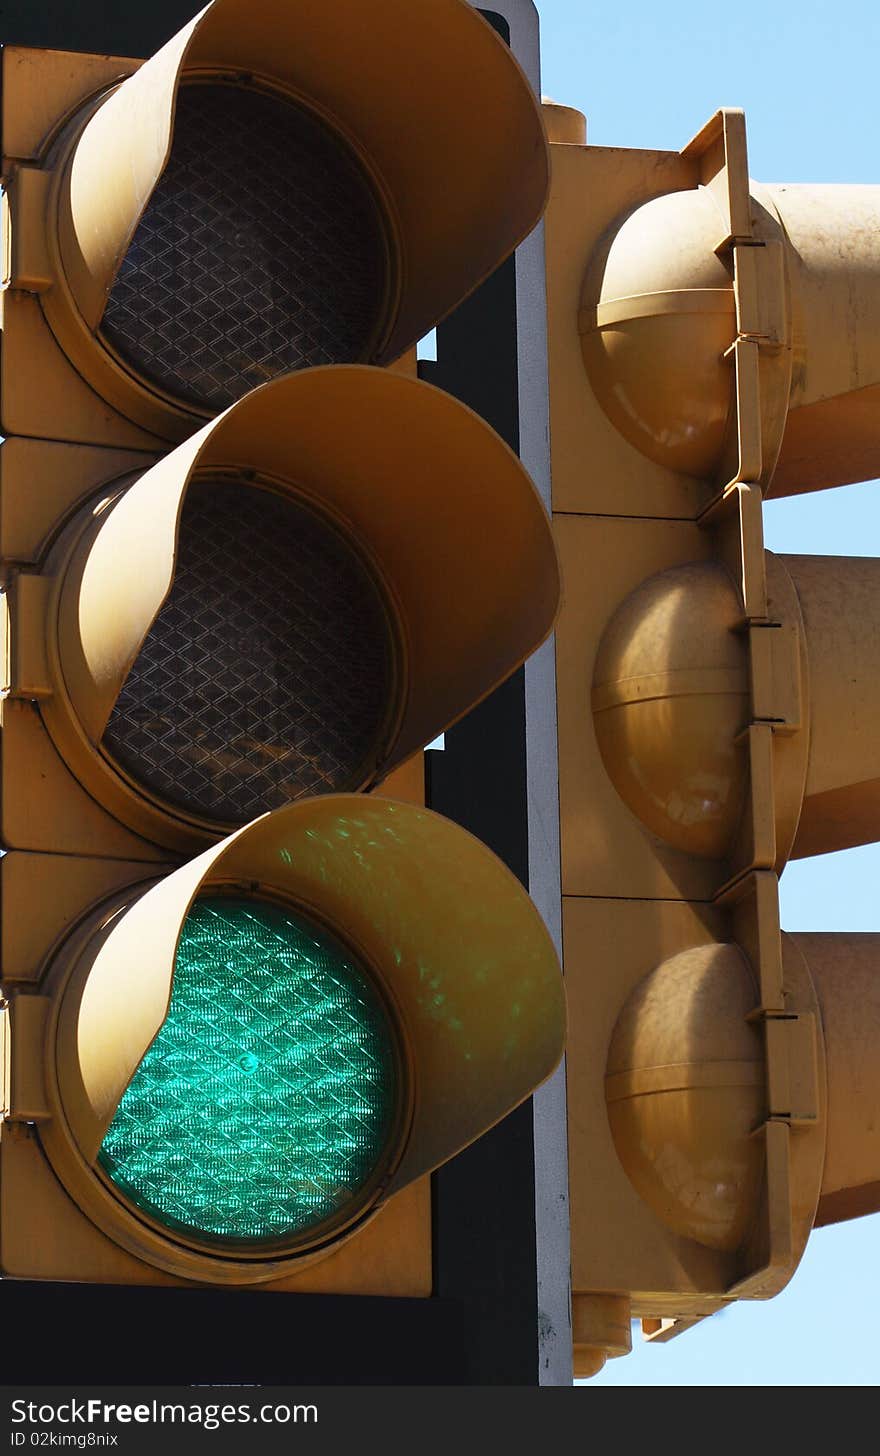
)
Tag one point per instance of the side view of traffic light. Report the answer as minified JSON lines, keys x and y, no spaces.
{"x":711,"y":341}
{"x":249,"y":1004}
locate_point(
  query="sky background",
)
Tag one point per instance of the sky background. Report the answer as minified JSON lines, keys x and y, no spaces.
{"x":649,"y":75}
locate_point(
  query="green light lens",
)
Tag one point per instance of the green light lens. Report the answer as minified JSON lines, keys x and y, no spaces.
{"x":265,"y":1102}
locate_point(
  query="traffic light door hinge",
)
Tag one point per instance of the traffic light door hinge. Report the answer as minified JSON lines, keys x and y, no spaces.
{"x":25,"y":606}
{"x":774,"y":674}
{"x":761,"y":363}
{"x":24,"y":1025}
{"x":790,"y":1031}
{"x":759,"y":286}
{"x":26,"y":262}
{"x":744,"y":352}
{"x":792,"y":1069}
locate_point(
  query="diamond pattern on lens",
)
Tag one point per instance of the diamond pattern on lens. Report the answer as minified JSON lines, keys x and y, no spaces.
{"x":260,"y":251}
{"x":269,"y":671}
{"x":266,"y":1100}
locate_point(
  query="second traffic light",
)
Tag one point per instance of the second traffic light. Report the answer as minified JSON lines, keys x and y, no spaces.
{"x":246,"y":1001}
{"x":711,"y":341}
{"x":279,"y":607}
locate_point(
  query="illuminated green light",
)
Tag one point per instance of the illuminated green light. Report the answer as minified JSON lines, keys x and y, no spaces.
{"x":265,"y":1102}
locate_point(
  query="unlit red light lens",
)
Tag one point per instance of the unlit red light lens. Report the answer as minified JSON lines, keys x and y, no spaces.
{"x":262,"y":250}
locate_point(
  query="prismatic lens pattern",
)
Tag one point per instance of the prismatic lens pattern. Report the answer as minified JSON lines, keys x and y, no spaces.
{"x":265,"y":1102}
{"x":269,"y":671}
{"x":261,"y":250}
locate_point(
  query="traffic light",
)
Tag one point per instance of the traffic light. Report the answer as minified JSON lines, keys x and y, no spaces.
{"x":711,"y":341}
{"x":249,"y":573}
{"x":259,"y":196}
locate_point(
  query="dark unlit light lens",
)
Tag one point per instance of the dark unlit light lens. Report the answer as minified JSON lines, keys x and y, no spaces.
{"x":261,"y":250}
{"x":270,"y":671}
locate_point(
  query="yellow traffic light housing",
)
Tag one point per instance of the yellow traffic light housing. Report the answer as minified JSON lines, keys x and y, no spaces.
{"x":711,"y":341}
{"x":248,"y":202}
{"x":309,"y":607}
{"x":383,"y":518}
{"x":387,"y":918}
{"x":249,"y":574}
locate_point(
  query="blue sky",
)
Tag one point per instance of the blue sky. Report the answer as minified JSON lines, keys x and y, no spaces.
{"x":649,"y":75}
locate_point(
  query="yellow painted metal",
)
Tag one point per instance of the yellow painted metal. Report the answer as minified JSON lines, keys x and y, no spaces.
{"x":845,"y":970}
{"x":5,"y":1068}
{"x":454,"y":941}
{"x":676,"y":681}
{"x":24,"y":608}
{"x":837,"y":600}
{"x":563,"y":123}
{"x":670,"y":698}
{"x":54,"y":892}
{"x":407,"y":782}
{"x":43,"y":89}
{"x":669,"y":1115}
{"x":833,"y":272}
{"x":43,"y":806}
{"x":41,"y":394}
{"x":603,"y":559}
{"x":600,"y":1326}
{"x":342,"y":67}
{"x":684,"y":1086}
{"x":646,"y":678}
{"x":26,"y":1097}
{"x":41,"y":484}
{"x":43,"y":1233}
{"x":434,"y":499}
{"x":657,"y":318}
{"x":591,"y":188}
{"x":618,"y":1242}
{"x":85,"y":140}
{"x":664,"y":303}
{"x":345,"y":65}
{"x":27,"y":255}
{"x":710,"y":342}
